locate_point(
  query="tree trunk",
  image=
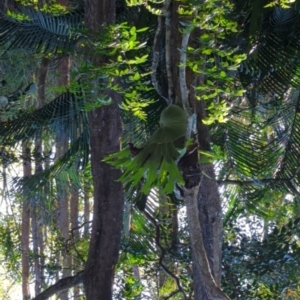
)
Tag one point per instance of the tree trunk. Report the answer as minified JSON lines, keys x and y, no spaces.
{"x":86,"y":208}
{"x":35,"y":222}
{"x":37,"y":238}
{"x":74,"y":202}
{"x":201,"y":197}
{"x":62,"y":183}
{"x":105,"y":132}
{"x":209,"y":206}
{"x":167,"y":212}
{"x":63,"y":212}
{"x":35,"y":250}
{"x":25,"y":225}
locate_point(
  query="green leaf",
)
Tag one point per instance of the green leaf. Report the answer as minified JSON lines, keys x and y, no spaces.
{"x":207,"y":51}
{"x":223,"y":74}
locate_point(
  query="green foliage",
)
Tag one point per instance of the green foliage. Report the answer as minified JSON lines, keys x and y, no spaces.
{"x":52,"y":8}
{"x":218,"y":113}
{"x":254,"y":126}
{"x":132,"y":287}
{"x":213,"y":58}
{"x":282,"y":3}
{"x":262,"y":269}
{"x":215,"y":155}
{"x":42,"y":33}
{"x":156,"y":161}
{"x":119,"y":43}
{"x":9,"y":242}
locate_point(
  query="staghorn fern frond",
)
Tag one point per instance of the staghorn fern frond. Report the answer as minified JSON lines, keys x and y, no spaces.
{"x":156,"y":161}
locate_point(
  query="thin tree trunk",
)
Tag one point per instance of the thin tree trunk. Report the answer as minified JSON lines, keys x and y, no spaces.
{"x":74,"y":202}
{"x":126,"y":239}
{"x":25,"y":224}
{"x":203,"y":205}
{"x":35,"y":249}
{"x":86,"y":208}
{"x":62,"y":182}
{"x":170,"y":229}
{"x":37,"y":238}
{"x":63,"y":212}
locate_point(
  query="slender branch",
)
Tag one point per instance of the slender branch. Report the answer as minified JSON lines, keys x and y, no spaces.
{"x":74,"y":245}
{"x":254,"y":182}
{"x":182,"y":74}
{"x":162,"y":251}
{"x":80,"y":226}
{"x":287,"y":182}
{"x":192,"y":118}
{"x":168,"y":47}
{"x":155,"y":58}
{"x":64,"y":283}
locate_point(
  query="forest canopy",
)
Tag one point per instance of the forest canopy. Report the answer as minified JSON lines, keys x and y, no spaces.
{"x":149,"y":149}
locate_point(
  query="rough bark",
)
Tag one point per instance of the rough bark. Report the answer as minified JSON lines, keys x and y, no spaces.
{"x":202,"y":199}
{"x":168,"y":214}
{"x":25,"y":225}
{"x":62,"y":185}
{"x":86,"y":208}
{"x":108,"y":204}
{"x":202,"y":273}
{"x":74,"y":202}
{"x":105,"y":132}
{"x":37,"y":237}
{"x":35,"y":250}
{"x":63,"y":212}
{"x":209,"y":203}
{"x":62,"y":284}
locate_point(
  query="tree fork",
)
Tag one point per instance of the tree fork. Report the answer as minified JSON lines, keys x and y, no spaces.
{"x":205,"y":235}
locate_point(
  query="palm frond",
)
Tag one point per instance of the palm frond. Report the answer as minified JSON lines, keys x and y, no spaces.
{"x":261,"y":145}
{"x":76,"y":157}
{"x":272,"y":64}
{"x":65,"y":114}
{"x":42,"y":33}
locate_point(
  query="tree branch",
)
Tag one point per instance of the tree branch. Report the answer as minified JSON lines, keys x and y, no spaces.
{"x":182,"y":75}
{"x":167,"y":11}
{"x":254,"y":182}
{"x":80,"y":226}
{"x":155,"y":58}
{"x":64,"y":283}
{"x":161,"y":258}
{"x":192,"y":118}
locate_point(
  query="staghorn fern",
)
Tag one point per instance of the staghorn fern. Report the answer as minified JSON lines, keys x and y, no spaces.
{"x":156,"y":161}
